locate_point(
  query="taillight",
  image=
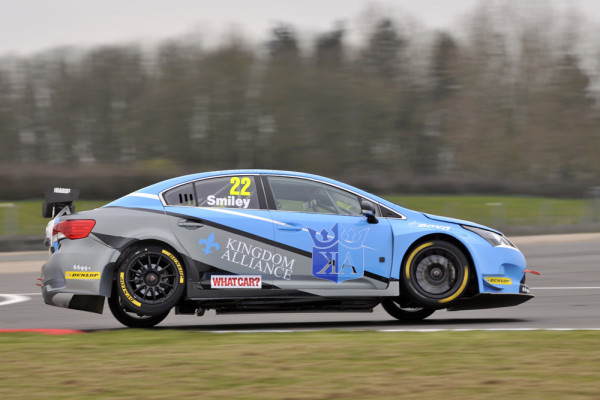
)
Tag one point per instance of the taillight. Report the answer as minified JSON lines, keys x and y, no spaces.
{"x":74,"y":228}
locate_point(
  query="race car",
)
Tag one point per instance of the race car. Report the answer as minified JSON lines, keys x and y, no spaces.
{"x":269,"y":241}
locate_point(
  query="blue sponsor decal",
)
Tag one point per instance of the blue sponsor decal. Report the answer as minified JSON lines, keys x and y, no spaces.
{"x":209,"y":244}
{"x":338,"y":258}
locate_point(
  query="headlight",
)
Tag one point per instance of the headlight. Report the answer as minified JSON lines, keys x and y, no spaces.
{"x":492,"y":238}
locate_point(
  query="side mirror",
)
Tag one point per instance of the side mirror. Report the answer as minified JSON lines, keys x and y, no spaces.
{"x":368,"y":210}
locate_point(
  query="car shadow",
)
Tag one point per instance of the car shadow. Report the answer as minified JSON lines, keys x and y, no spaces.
{"x":433,"y":324}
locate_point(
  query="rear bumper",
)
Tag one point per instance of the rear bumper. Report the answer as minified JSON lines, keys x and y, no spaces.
{"x":79,"y":275}
{"x":82,"y":266}
{"x":73,"y":301}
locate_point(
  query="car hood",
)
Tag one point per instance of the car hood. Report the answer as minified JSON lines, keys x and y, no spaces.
{"x":459,"y":222}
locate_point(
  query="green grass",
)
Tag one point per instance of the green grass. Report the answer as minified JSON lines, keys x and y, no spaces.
{"x":169,"y":364}
{"x":24,"y":217}
{"x":502,"y":210}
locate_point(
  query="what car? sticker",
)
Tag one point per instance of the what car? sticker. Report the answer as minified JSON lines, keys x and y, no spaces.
{"x":236,"y":282}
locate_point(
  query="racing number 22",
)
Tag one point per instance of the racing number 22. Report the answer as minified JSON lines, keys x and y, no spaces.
{"x":235,"y":184}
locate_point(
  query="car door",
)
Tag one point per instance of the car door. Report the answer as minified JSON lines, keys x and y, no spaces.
{"x":326,"y":241}
{"x":223,"y":225}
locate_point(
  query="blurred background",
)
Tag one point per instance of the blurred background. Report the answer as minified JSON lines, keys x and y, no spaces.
{"x":484,"y":110}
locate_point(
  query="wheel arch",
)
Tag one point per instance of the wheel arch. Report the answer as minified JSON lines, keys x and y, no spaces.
{"x":473,"y":284}
{"x":187,"y":262}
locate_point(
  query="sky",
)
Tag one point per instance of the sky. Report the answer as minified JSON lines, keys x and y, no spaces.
{"x":29,"y":26}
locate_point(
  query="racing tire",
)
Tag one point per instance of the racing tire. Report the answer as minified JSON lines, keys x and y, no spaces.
{"x":130,"y":318}
{"x":150,"y":280}
{"x":404,"y":313}
{"x":435,"y":274}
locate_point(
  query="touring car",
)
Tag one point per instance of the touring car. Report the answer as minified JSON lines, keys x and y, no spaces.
{"x":269,"y":241}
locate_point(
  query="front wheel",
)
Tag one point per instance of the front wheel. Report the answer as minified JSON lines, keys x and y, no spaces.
{"x":130,"y":318}
{"x":405,"y":313}
{"x":150,"y":280}
{"x":436,"y":274}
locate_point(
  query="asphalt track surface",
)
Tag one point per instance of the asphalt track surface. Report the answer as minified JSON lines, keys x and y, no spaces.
{"x":567,"y":297}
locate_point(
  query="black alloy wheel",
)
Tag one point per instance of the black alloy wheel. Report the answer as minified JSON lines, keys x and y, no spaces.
{"x":150,"y":280}
{"x":436,"y":274}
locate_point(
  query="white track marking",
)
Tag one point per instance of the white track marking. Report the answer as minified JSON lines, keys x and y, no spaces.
{"x":566,"y":238}
{"x":489,"y":330}
{"x":416,"y":330}
{"x":12,"y":299}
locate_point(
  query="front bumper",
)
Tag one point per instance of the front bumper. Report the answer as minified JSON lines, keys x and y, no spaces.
{"x":490,"y":300}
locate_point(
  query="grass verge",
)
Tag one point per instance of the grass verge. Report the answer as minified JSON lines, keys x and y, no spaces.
{"x":167,"y":364}
{"x":25,"y":217}
{"x":504,"y":210}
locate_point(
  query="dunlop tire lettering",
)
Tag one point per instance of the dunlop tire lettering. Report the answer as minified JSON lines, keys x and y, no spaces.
{"x":125,"y":292}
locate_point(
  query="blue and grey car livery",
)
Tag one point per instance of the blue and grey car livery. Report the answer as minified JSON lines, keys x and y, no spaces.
{"x":270,"y":241}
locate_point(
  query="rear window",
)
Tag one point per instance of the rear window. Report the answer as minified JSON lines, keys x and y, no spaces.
{"x":222,"y":192}
{"x":183,"y":195}
{"x":227,"y":192}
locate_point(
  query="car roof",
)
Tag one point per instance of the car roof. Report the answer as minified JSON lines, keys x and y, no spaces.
{"x":148,"y":197}
{"x":159,"y":187}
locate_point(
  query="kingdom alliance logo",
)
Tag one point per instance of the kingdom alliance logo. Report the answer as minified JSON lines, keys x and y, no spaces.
{"x":338,"y":258}
{"x":209,"y":244}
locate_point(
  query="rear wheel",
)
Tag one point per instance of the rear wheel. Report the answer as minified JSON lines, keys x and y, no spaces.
{"x":407,"y":312}
{"x":436,"y":274}
{"x":150,"y":280}
{"x":130,"y":318}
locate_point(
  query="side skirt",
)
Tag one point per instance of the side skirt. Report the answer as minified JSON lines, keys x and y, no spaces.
{"x":294,"y":305}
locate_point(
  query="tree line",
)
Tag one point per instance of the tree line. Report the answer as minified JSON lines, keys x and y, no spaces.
{"x":505,"y":103}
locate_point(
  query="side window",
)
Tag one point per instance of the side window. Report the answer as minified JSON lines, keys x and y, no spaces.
{"x":389,"y":213}
{"x":348,"y":203}
{"x":293,"y":194}
{"x":228,"y":192}
{"x":181,"y":196}
{"x":375,"y":206}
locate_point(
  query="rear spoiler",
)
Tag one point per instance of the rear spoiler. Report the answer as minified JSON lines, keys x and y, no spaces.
{"x":59,"y":201}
